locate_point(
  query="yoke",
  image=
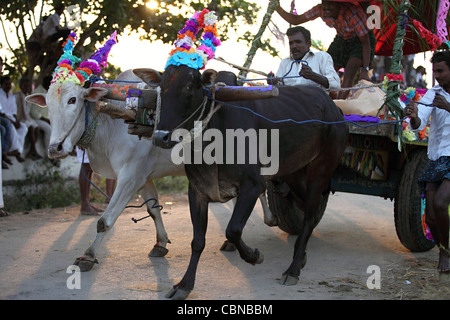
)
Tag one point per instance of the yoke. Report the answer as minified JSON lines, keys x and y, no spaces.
{"x":141,"y":102}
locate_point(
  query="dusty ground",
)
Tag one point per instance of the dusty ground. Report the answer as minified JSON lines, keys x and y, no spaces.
{"x":356,"y":232}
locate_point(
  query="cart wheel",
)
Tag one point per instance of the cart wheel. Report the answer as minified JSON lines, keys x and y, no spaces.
{"x":290,"y":217}
{"x":407,"y":205}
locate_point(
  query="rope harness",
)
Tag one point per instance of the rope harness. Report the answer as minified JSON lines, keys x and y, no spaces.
{"x":89,"y":129}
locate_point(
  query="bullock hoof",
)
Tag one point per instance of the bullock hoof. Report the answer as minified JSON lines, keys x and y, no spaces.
{"x":259,"y":259}
{"x":85,"y":263}
{"x":177,"y":293}
{"x":287,"y":280}
{"x":272,"y":222}
{"x":228,"y":246}
{"x":158,"y":251}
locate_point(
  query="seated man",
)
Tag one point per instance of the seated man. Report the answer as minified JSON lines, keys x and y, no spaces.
{"x":354,"y":45}
{"x":318,"y":69}
{"x":8,"y":109}
{"x":35,"y":126}
{"x":5,"y":131}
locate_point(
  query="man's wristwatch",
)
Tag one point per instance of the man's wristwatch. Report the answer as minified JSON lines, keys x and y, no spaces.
{"x":366,"y":68}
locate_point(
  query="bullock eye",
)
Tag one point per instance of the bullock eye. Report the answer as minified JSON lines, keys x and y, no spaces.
{"x":72,"y":100}
{"x":189,"y":87}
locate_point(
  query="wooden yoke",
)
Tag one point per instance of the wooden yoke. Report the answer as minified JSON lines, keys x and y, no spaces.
{"x":116,"y":112}
{"x":122,"y":92}
{"x":140,"y":108}
{"x":141,"y":103}
{"x":234,"y":93}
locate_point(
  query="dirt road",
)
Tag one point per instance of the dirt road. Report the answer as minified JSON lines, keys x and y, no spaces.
{"x":356,"y":232}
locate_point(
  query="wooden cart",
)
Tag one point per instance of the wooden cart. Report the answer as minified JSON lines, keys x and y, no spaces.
{"x":373,"y":165}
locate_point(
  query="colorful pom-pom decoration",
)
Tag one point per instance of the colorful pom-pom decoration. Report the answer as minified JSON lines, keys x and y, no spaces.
{"x":65,"y":71}
{"x":185,"y":53}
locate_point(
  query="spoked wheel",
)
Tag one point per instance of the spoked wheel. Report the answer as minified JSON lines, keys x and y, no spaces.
{"x":408,"y":218}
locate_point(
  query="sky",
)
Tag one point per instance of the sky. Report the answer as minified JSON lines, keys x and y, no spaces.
{"x":154,"y":55}
{"x":130,"y":52}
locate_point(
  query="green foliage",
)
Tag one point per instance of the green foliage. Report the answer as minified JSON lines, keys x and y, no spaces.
{"x":263,"y":45}
{"x":46,"y":187}
{"x":318,"y":45}
{"x":172,"y":184}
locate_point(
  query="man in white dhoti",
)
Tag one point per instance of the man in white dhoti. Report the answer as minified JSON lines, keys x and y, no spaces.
{"x":8,"y":109}
{"x":39,"y":130}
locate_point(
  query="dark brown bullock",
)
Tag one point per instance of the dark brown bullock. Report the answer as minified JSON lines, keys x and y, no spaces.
{"x":308,"y":156}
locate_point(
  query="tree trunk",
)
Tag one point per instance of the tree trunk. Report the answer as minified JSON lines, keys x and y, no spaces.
{"x":256,"y":44}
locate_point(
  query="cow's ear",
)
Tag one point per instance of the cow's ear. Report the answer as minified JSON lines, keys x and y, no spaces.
{"x":209,"y":77}
{"x":38,"y":99}
{"x":95,"y":93}
{"x":149,"y":76}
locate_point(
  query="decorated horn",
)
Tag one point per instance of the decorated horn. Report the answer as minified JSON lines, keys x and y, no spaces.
{"x":185,"y":52}
{"x":99,"y":59}
{"x":63,"y":72}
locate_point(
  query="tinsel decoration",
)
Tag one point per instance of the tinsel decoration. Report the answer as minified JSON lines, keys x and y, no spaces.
{"x":393,"y":90}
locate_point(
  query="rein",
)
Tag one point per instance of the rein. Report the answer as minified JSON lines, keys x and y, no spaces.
{"x":89,"y":129}
{"x":195,"y":131}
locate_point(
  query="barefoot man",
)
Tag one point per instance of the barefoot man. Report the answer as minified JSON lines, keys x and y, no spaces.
{"x":435,"y":181}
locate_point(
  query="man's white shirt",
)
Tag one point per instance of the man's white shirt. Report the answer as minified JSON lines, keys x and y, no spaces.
{"x":320,"y":62}
{"x":439,"y":135}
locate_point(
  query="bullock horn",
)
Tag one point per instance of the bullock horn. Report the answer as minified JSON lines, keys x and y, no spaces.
{"x":99,"y":59}
{"x":185,"y":52}
{"x":235,"y":93}
{"x":63,"y":72}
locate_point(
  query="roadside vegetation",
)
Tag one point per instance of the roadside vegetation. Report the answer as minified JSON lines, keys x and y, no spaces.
{"x":48,"y":187}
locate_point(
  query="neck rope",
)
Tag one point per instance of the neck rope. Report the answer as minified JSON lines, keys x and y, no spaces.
{"x":89,"y":129}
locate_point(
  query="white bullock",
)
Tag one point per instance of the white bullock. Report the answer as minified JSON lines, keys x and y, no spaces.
{"x":113,"y":153}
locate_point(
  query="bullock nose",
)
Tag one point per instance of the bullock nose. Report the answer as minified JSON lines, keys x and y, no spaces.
{"x":161,"y":138}
{"x":55,"y":150}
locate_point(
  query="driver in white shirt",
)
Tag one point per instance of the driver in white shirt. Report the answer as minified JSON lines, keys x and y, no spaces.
{"x":316,"y":68}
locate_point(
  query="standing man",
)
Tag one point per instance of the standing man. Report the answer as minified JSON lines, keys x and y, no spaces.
{"x":316,"y":68}
{"x":435,"y":181}
{"x":353,"y":47}
{"x":51,"y":30}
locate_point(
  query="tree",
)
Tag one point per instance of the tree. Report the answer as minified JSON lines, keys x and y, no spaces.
{"x":95,"y":20}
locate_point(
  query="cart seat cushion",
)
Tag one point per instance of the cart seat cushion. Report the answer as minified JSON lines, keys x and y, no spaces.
{"x":364,"y":101}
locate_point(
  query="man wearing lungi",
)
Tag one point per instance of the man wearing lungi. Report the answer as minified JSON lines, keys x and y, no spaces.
{"x":435,"y":181}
